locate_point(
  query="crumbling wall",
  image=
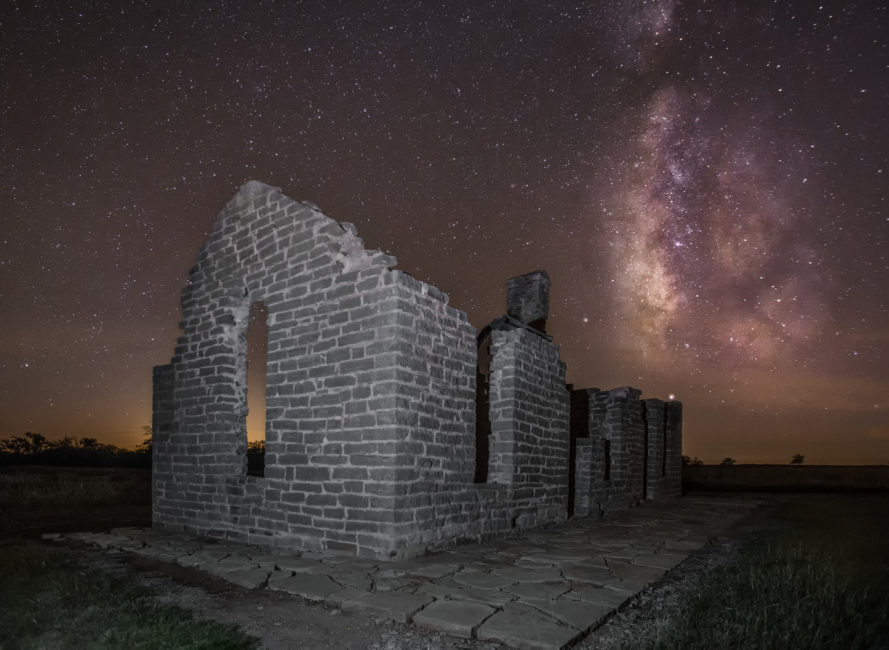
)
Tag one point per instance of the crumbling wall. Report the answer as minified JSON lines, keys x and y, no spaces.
{"x":370,"y":398}
{"x":371,"y":405}
{"x":610,"y":461}
{"x":333,"y":383}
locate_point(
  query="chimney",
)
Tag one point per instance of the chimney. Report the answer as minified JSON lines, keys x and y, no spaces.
{"x":527,"y":299}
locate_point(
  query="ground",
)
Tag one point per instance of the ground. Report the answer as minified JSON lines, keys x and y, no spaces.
{"x":842,"y":538}
{"x":283,"y":622}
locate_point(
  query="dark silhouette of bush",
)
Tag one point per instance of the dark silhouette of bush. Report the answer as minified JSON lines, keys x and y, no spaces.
{"x":256,"y":458}
{"x":37,"y":449}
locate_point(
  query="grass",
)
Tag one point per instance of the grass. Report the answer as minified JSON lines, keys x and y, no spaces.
{"x":34,"y":500}
{"x":48,"y":600}
{"x":817,"y":578}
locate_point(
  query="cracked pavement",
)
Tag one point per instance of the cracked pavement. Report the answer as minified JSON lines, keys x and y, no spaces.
{"x":542,"y":589}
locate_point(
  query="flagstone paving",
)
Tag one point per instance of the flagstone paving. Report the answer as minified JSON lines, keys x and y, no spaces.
{"x":541,"y":590}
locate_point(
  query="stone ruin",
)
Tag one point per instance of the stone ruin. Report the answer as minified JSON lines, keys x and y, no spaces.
{"x":392,"y":428}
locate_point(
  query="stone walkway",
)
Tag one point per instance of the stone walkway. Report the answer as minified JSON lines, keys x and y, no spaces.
{"x":543,"y":589}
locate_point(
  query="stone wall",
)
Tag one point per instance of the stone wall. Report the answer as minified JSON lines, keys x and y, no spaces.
{"x":656,"y":446}
{"x":526,"y":482}
{"x":374,"y":386}
{"x":370,"y":399}
{"x":673,"y":452}
{"x":528,"y":411}
{"x":610,"y":464}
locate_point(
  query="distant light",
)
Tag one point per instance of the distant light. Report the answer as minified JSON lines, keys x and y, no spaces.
{"x":672,"y":396}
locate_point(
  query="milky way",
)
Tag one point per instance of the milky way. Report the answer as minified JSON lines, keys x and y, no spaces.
{"x":704,"y":183}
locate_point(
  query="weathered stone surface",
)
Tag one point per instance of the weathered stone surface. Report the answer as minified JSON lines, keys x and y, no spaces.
{"x":248,"y":578}
{"x":396,"y":605}
{"x":337,"y":598}
{"x":311,"y":586}
{"x":536,"y":614}
{"x":682,"y":545}
{"x":157,"y":553}
{"x":520,"y":626}
{"x":457,"y":618}
{"x":189,"y":560}
{"x":301,"y":565}
{"x":605,"y":597}
{"x":537,"y":591}
{"x":579,"y":614}
{"x":622,"y":555}
{"x":130,"y":531}
{"x":587,"y":573}
{"x":127,"y":544}
{"x":437,"y":570}
{"x":229,"y":563}
{"x":555,"y":559}
{"x":355,"y":578}
{"x":482,"y":580}
{"x":636,"y":574}
{"x":665,"y":561}
{"x":453,"y":591}
{"x":528,"y":575}
{"x":105,"y":540}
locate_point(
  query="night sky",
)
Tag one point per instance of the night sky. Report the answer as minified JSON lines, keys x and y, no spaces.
{"x":704,"y":182}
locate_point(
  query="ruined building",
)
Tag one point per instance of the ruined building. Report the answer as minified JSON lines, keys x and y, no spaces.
{"x":392,"y":429}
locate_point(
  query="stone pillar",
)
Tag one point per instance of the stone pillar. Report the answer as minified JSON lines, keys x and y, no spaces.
{"x":655,"y":460}
{"x":673,"y":451}
{"x":583,"y":476}
{"x":529,"y":440}
{"x":627,"y":445}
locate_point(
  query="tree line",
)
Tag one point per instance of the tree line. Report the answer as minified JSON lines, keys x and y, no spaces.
{"x":37,"y":449}
{"x":728,"y":461}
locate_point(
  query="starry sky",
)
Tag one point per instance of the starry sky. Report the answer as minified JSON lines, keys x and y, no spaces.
{"x":704,"y":182}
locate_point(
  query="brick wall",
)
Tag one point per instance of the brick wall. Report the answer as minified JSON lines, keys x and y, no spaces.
{"x":673,"y":452}
{"x":610,"y":461}
{"x":331,"y":382}
{"x":370,"y":399}
{"x":656,"y":438}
